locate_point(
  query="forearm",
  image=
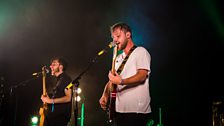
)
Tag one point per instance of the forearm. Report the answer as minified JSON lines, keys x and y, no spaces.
{"x":106,"y":91}
{"x":138,"y":78}
{"x":64,"y":99}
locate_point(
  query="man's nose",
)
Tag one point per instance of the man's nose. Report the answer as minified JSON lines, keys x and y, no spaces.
{"x":114,"y":39}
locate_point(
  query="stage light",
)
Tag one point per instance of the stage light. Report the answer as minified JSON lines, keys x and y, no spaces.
{"x":79,"y":90}
{"x":78,"y":98}
{"x":34,"y":120}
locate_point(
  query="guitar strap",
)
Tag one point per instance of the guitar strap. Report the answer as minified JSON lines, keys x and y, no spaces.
{"x":125,"y":60}
{"x":114,"y":87}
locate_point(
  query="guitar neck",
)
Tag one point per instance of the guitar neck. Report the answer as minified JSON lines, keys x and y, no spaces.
{"x":44,"y":80}
{"x":113,"y":65}
{"x":114,"y":59}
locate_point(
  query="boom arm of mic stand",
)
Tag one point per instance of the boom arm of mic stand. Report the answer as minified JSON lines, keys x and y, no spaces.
{"x":23,"y":83}
{"x":76,"y":80}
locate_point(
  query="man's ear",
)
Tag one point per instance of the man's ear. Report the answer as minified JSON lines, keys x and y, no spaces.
{"x":128,"y":34}
{"x":61,"y":67}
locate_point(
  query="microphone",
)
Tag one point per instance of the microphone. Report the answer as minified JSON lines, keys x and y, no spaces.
{"x":40,"y":73}
{"x":111,"y":44}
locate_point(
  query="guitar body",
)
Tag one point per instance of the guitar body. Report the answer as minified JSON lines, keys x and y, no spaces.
{"x":42,"y":112}
{"x":112,"y":108}
{"x":113,"y":89}
{"x":42,"y":117}
{"x":43,"y":109}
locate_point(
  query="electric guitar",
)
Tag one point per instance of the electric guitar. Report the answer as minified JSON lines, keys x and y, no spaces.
{"x":113,"y":87}
{"x":44,"y":108}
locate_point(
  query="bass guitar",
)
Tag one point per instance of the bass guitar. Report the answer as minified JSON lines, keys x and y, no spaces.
{"x":113,"y":89}
{"x":44,"y":107}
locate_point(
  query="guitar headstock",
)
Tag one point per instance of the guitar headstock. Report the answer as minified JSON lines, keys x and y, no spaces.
{"x":44,"y":71}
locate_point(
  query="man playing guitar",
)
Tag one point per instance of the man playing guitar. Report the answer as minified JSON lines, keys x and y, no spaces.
{"x":132,"y":106}
{"x":59,"y":99}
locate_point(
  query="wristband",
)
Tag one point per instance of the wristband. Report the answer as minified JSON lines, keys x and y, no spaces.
{"x":52,"y":106}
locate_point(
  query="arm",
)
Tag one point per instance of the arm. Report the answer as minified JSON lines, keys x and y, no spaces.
{"x":106,"y":91}
{"x":64,"y":99}
{"x":139,"y":77}
{"x":104,"y":98}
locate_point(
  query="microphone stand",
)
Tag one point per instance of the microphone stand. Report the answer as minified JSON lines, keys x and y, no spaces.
{"x":23,"y":83}
{"x":10,"y":89}
{"x":76,"y":83}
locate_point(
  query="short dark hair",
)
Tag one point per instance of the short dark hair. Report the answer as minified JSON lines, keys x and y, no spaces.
{"x":61,"y":61}
{"x":123,"y":26}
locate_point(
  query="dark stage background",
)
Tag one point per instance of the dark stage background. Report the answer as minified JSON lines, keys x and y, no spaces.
{"x":184,"y":38}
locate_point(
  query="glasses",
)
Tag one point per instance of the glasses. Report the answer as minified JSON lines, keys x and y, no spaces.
{"x":55,"y":64}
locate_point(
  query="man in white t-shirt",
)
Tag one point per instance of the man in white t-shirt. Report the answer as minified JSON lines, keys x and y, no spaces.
{"x":133,"y":96}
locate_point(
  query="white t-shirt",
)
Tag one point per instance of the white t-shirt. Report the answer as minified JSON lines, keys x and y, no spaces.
{"x":134,"y":98}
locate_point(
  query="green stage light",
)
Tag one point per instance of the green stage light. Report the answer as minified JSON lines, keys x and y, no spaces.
{"x":34,"y":120}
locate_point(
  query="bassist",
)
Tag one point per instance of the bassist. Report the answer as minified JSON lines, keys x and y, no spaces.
{"x":59,"y":99}
{"x":132,"y":105}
